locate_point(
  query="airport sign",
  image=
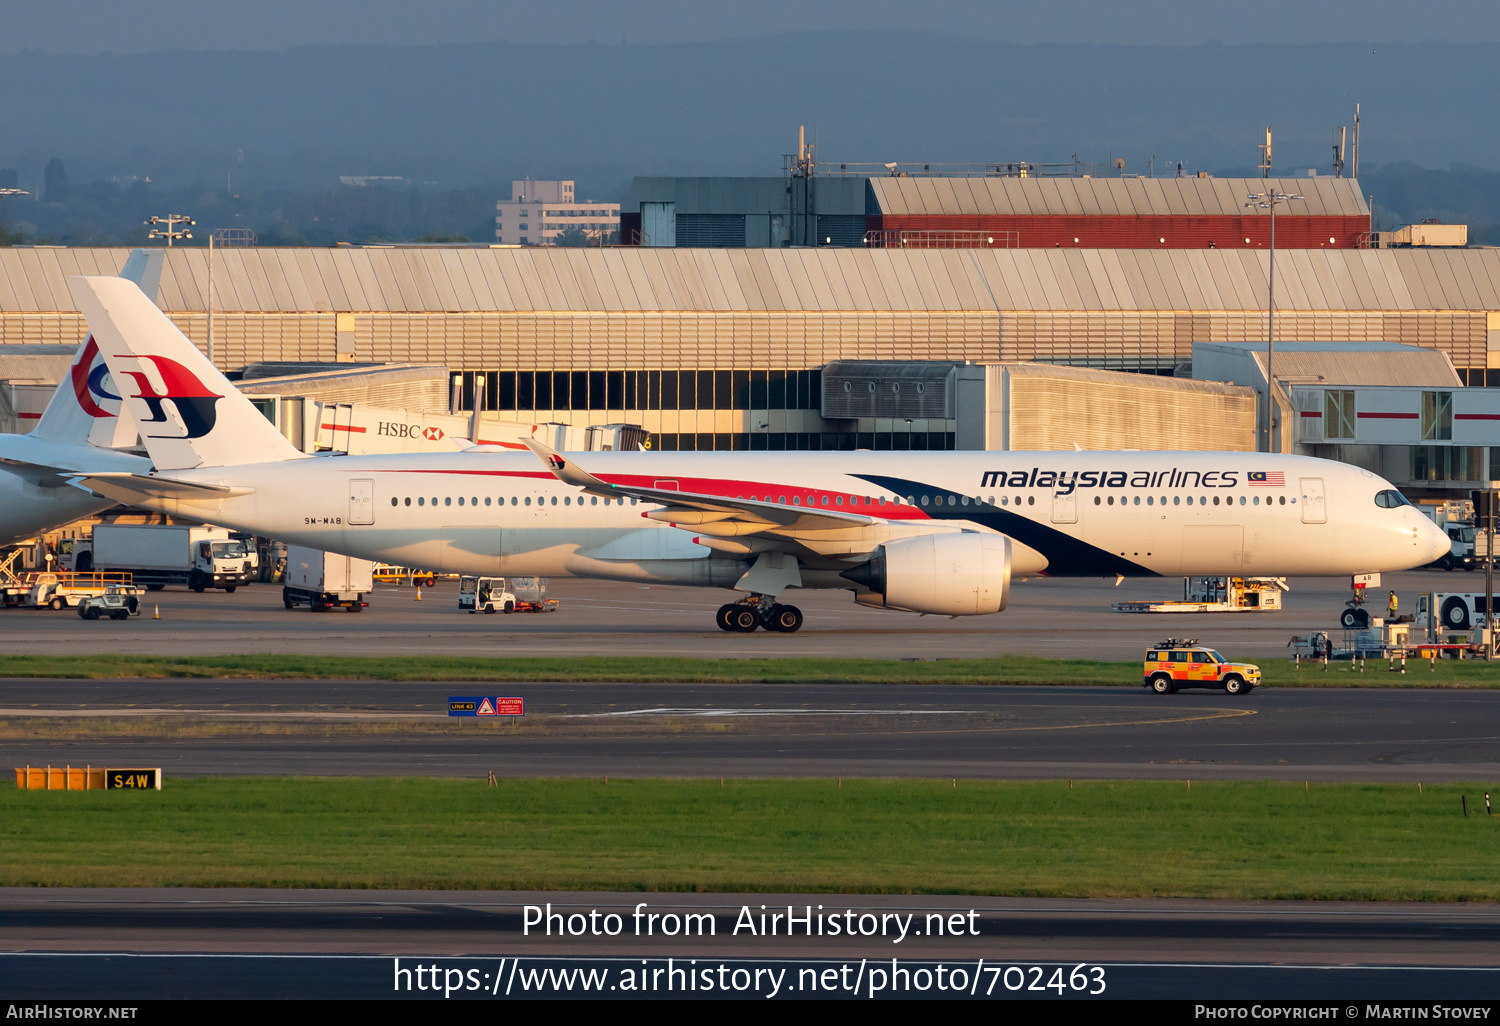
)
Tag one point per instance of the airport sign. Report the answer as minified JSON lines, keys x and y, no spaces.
{"x":486,"y":706}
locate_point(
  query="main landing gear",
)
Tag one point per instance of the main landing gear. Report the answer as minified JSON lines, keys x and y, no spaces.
{"x":744,"y":617}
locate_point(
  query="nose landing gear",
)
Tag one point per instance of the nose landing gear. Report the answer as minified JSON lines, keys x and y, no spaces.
{"x":744,"y":617}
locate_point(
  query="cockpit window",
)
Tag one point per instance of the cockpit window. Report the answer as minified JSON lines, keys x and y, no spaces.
{"x":1390,"y":499}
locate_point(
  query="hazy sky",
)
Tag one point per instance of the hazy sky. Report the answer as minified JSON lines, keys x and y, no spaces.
{"x":133,"y":26}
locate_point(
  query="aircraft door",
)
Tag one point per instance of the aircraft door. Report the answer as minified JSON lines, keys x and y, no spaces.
{"x":1314,"y":505}
{"x":1065,"y":508}
{"x":361,"y":501}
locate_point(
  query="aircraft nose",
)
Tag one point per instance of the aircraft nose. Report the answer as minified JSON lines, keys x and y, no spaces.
{"x":1433,"y":540}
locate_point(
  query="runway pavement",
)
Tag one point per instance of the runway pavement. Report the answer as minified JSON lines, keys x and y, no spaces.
{"x":647,"y":730}
{"x":1046,"y":617}
{"x":77,"y":944}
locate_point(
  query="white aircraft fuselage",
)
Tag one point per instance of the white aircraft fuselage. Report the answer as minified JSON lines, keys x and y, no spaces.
{"x":1076,"y":514}
{"x":35,"y":497}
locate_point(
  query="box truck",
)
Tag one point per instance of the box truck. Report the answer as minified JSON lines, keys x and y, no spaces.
{"x":158,"y":555}
{"x":325,"y":580}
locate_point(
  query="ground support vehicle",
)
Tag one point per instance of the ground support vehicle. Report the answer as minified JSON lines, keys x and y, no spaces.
{"x":14,"y":587}
{"x":62,"y":590}
{"x":1443,"y":614}
{"x":387,"y":573}
{"x":119,"y":602}
{"x":531,"y":595}
{"x":1217,"y":595}
{"x":505,"y":595}
{"x":1456,"y":520}
{"x":1183,"y":663}
{"x":157,"y":555}
{"x":325,"y":580}
{"x":485,"y":594}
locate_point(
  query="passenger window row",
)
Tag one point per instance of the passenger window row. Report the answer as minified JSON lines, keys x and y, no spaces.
{"x":1178,"y":500}
{"x":514,"y":500}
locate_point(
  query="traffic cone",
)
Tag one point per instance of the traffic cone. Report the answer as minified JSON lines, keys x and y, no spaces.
{"x":157,"y":614}
{"x":419,"y":593}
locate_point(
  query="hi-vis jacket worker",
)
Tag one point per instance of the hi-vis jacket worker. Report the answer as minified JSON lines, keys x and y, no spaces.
{"x":1391,"y":607}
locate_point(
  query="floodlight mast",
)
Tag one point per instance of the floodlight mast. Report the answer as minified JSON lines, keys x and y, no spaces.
{"x":1267,"y":201}
{"x":170,"y":232}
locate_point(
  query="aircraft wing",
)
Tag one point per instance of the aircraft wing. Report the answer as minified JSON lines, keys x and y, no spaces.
{"x":713,"y":515}
{"x":143,"y":489}
{"x":39,"y":474}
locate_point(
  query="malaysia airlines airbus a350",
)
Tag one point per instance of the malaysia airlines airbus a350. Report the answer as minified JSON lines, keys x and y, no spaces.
{"x":925,"y":532}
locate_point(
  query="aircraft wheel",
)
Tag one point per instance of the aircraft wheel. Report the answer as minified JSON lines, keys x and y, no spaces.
{"x":1347,"y":619}
{"x":743,"y":619}
{"x":784,"y":619}
{"x":722,"y":616}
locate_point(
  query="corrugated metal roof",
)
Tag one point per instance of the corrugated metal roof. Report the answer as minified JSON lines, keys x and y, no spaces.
{"x":429,"y":280}
{"x":1347,"y":363}
{"x":45,"y":364}
{"x":1052,"y":370}
{"x":1129,"y":196}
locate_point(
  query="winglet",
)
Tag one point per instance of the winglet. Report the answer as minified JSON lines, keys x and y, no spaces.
{"x":566,"y":470}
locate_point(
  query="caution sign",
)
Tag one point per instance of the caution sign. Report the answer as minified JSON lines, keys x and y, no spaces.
{"x":132,"y":779}
{"x":486,"y":705}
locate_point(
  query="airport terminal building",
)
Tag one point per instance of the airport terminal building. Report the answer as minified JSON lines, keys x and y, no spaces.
{"x":725,"y":348}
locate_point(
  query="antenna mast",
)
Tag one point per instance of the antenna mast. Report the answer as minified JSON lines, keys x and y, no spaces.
{"x":1340,"y":136}
{"x":1354,"y":168}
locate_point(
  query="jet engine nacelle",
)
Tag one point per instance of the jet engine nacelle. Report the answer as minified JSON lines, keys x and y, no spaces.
{"x":959,"y":574}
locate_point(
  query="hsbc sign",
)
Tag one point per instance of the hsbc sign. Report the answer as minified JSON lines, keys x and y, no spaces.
{"x":396,"y":429}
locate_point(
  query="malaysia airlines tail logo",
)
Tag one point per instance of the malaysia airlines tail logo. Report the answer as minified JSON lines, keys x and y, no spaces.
{"x":91,"y":381}
{"x":196,"y":406}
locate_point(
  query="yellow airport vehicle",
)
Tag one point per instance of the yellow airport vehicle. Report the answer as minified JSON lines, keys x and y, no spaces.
{"x":1183,"y":663}
{"x":386,"y":573}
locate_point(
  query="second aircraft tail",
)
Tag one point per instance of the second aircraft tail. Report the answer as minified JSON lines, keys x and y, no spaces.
{"x":188,"y":413}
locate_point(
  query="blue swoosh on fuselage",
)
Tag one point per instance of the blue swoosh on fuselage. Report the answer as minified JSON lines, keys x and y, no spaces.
{"x":1066,"y":556}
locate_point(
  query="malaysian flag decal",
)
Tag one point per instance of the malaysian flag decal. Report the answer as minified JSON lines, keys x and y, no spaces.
{"x":1266,"y":479}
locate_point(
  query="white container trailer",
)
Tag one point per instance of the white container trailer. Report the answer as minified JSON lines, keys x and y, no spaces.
{"x":325,"y":580}
{"x":157,"y":555}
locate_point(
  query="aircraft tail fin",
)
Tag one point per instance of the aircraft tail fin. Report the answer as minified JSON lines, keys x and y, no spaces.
{"x":188,"y":413}
{"x":85,"y":408}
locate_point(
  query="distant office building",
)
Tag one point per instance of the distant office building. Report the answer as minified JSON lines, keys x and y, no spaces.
{"x":538,"y":212}
{"x":1002,"y":210}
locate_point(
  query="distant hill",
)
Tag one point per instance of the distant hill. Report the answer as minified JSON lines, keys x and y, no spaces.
{"x":464,"y":115}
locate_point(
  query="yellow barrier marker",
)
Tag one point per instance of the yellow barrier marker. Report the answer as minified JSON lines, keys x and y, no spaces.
{"x":157,"y":614}
{"x":72,"y":778}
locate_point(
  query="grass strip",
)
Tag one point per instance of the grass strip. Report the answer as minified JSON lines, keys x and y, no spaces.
{"x":1242,"y":840}
{"x":1002,"y":670}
